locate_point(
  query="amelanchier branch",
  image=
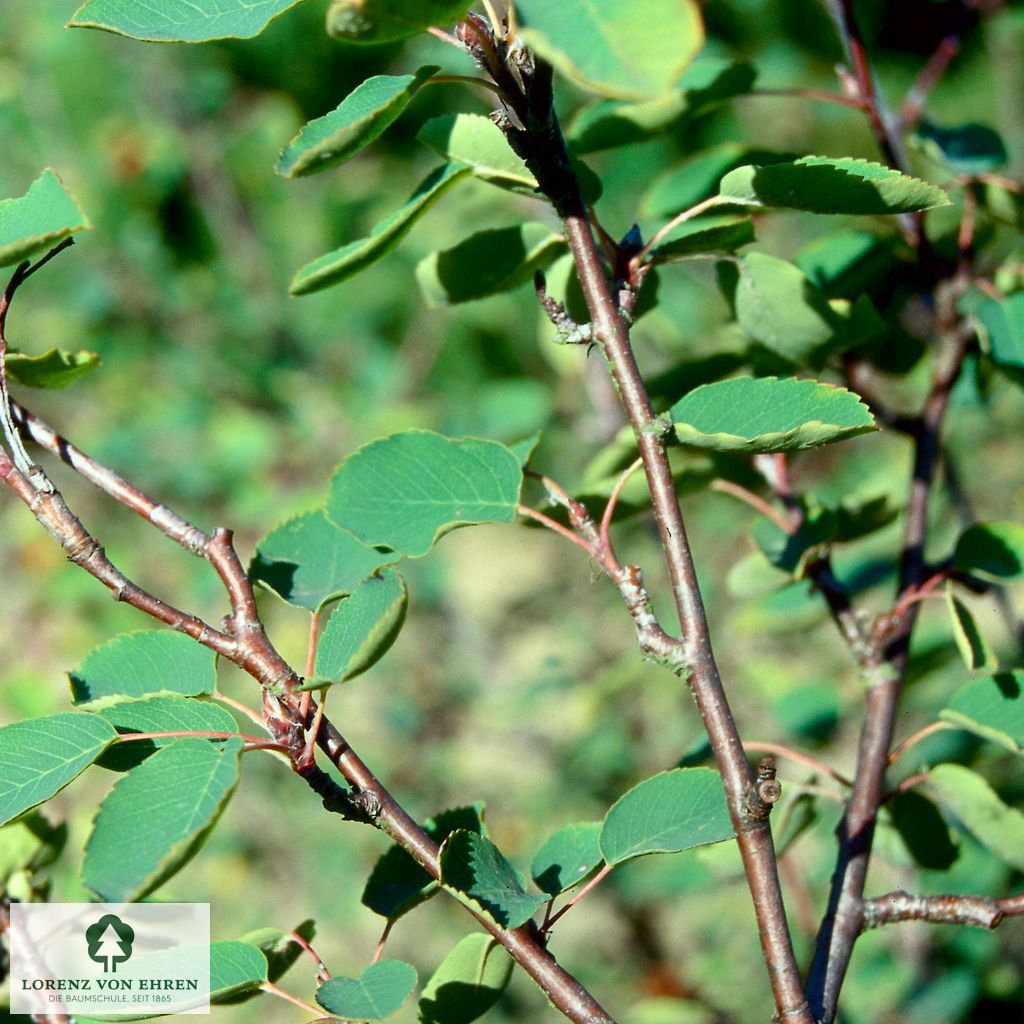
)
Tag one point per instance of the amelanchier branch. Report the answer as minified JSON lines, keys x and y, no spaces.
{"x":531,"y":127}
{"x":243,"y":641}
{"x":975,"y":911}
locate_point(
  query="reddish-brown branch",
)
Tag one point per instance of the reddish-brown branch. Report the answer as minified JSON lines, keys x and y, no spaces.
{"x":756,"y":502}
{"x":927,"y":79}
{"x":601,"y":875}
{"x":973,"y":911}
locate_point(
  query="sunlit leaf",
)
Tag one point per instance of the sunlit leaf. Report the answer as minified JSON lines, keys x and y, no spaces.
{"x":384,"y":21}
{"x":235,"y":968}
{"x":468,"y":982}
{"x":39,"y":220}
{"x":994,"y":551}
{"x":704,"y":236}
{"x":53,"y":369}
{"x":992,"y":707}
{"x":567,"y":857}
{"x":1002,"y":321}
{"x":375,"y":994}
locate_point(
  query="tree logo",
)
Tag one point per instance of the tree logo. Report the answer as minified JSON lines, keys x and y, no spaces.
{"x":110,"y":942}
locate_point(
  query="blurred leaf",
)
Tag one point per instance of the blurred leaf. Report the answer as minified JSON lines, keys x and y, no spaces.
{"x":780,"y":308}
{"x":143,"y":664}
{"x":487,"y":263}
{"x":39,"y":220}
{"x":705,"y":235}
{"x":797,"y":816}
{"x":965,"y":149}
{"x":279,"y":946}
{"x":860,"y":518}
{"x":159,"y":714}
{"x":768,"y":414}
{"x":821,"y":185}
{"x":992,"y":707}
{"x":41,"y":756}
{"x":29,"y":844}
{"x":335,"y":267}
{"x":994,"y":551}
{"x":476,"y":871}
{"x":235,"y":967}
{"x":375,"y":994}
{"x":384,"y":21}
{"x":972,"y":800}
{"x":157,"y":817}
{"x":478,"y":142}
{"x":848,"y":263}
{"x":669,"y":812}
{"x":53,"y":369}
{"x":397,"y":883}
{"x":1003,"y":325}
{"x":788,"y":551}
{"x":923,"y":830}
{"x":361,"y":630}
{"x":406,"y":491}
{"x":970,"y":642}
{"x":309,"y":561}
{"x":362,"y":116}
{"x":628,"y":51}
{"x":185,"y":21}
{"x":523,"y":450}
{"x":567,"y":857}
{"x":468,"y":982}
{"x":611,"y":123}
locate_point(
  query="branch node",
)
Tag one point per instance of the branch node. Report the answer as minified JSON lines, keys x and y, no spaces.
{"x":569,"y":332}
{"x":764,"y":793}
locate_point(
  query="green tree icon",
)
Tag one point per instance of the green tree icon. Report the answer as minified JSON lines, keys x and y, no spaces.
{"x":110,"y":942}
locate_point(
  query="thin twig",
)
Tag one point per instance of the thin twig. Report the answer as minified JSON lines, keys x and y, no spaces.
{"x":973,"y":911}
{"x":240,"y":707}
{"x":556,"y":527}
{"x":322,"y":973}
{"x":927,"y":79}
{"x":203,"y":734}
{"x":613,"y":501}
{"x":908,"y":783}
{"x":590,"y":886}
{"x":756,"y":502}
{"x":795,"y":755}
{"x":680,"y":218}
{"x":271,"y":989}
{"x":820,"y":95}
{"x":383,"y":940}
{"x":915,"y":738}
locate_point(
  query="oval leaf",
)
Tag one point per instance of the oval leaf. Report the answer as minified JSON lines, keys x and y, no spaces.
{"x":705,"y":235}
{"x":476,"y":871}
{"x":993,"y":551}
{"x":184,"y":21}
{"x":359,"y":119}
{"x":768,"y":414}
{"x":39,"y":220}
{"x":992,"y":707}
{"x":308,"y":561}
{"x":978,"y":807}
{"x":349,"y":260}
{"x":407,"y":490}
{"x":375,"y":994}
{"x":487,"y":263}
{"x":53,"y":369}
{"x":41,"y":756}
{"x":143,"y":664}
{"x":477,"y":142}
{"x":468,"y":982}
{"x":822,"y":185}
{"x":397,"y":883}
{"x":279,"y":946}
{"x":672,"y":811}
{"x":361,"y":630}
{"x":235,"y":967}
{"x":567,"y":857}
{"x":383,"y":21}
{"x":629,"y":51}
{"x":159,"y":714}
{"x":157,"y":816}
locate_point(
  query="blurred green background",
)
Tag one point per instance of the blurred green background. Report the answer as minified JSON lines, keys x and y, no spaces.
{"x":516,"y":680}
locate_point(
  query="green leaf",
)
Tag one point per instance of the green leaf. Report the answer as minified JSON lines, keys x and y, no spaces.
{"x":993,"y":551}
{"x":28,"y":845}
{"x":157,"y":817}
{"x":708,"y":82}
{"x":159,"y":714}
{"x":1002,"y":322}
{"x":279,"y":947}
{"x":53,"y":369}
{"x":780,"y":308}
{"x":970,"y":642}
{"x":789,"y":551}
{"x":362,"y":116}
{"x":375,"y":994}
{"x":397,"y":883}
{"x":705,"y":235}
{"x":309,"y":561}
{"x":992,"y":707}
{"x":477,"y":142}
{"x":235,"y":968}
{"x":567,"y":857}
{"x":923,"y":830}
{"x":487,"y":263}
{"x":407,"y":490}
{"x":384,"y":21}
{"x":41,"y":756}
{"x":39,"y":220}
{"x":965,"y":149}
{"x":822,"y":185}
{"x":361,"y":630}
{"x":847,"y":263}
{"x":768,"y":414}
{"x":630,"y":51}
{"x":349,"y":260}
{"x":180,"y":21}
{"x":468,"y":982}
{"x":671,"y":811}
{"x":476,"y":871}
{"x":141,"y":665}
{"x":969,"y":798}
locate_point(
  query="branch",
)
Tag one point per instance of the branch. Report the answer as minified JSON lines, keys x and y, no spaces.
{"x":973,"y":911}
{"x":532,"y":129}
